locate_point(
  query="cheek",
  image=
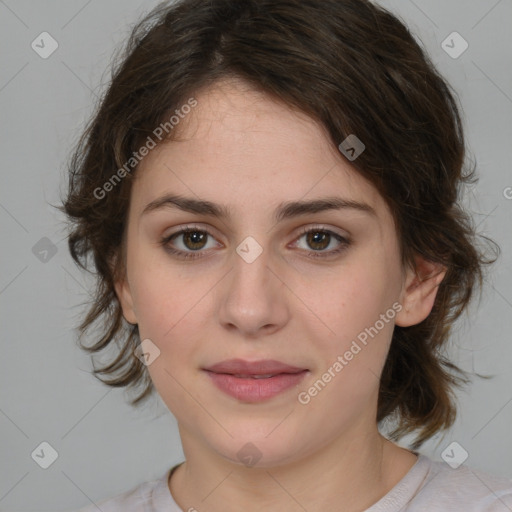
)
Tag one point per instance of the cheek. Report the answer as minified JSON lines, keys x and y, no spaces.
{"x":170,"y":313}
{"x":356,"y":304}
{"x":352,"y":299}
{"x":164,"y":297}
{"x":358,"y":311}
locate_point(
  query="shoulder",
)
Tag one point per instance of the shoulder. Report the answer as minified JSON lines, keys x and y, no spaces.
{"x":464,"y":488}
{"x":139,"y":498}
{"x":129,"y":501}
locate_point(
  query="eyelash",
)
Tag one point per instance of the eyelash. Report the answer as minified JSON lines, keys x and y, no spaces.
{"x":191,"y":255}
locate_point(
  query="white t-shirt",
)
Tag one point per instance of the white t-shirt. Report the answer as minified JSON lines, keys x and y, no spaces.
{"x":429,"y":486}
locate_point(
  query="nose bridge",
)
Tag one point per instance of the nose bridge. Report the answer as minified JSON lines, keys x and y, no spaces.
{"x":251,"y":265}
{"x":252,"y":297}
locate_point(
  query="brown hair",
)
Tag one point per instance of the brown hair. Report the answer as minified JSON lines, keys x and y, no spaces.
{"x":355,"y":68}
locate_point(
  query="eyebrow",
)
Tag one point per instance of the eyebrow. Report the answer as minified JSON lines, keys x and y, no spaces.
{"x":284,"y":211}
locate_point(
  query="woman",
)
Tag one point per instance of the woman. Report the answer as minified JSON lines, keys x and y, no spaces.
{"x":269,"y":194}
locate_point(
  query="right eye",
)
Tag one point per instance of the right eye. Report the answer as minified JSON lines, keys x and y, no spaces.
{"x":190,"y":242}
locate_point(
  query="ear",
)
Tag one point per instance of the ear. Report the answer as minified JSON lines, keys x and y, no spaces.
{"x":124,"y":295}
{"x":419,"y":291}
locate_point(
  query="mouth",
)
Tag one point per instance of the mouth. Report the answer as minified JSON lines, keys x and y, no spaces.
{"x":254,"y":381}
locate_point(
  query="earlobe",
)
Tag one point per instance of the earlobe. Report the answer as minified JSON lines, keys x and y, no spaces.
{"x":419,"y":292}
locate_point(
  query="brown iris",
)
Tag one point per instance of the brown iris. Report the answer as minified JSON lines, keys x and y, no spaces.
{"x":197,"y":239}
{"x":315,"y":238}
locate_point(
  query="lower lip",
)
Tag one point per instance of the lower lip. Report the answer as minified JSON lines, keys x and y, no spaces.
{"x":255,"y":390}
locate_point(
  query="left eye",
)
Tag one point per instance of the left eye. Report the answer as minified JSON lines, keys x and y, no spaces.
{"x":319,"y":240}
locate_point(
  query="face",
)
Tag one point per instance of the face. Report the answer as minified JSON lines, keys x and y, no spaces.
{"x":263,"y":278}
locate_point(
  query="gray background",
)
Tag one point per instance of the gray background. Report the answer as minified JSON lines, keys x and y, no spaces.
{"x":104,"y":446}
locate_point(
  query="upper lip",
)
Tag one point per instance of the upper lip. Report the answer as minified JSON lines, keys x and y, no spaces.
{"x":262,"y":367}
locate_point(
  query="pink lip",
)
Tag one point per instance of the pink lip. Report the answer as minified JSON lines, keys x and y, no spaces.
{"x":262,"y":367}
{"x":250,"y":389}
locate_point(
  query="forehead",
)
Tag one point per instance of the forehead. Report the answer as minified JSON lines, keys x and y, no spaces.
{"x":240,"y":147}
{"x":234,"y":121}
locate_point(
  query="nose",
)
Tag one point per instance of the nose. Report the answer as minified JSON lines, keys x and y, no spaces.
{"x":254,"y":298}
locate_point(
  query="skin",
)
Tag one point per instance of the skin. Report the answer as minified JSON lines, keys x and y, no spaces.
{"x":241,"y":149}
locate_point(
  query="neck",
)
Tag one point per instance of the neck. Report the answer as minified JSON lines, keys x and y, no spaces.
{"x":350,"y":473}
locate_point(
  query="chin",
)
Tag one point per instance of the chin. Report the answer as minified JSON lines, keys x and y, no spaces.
{"x":260,"y":451}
